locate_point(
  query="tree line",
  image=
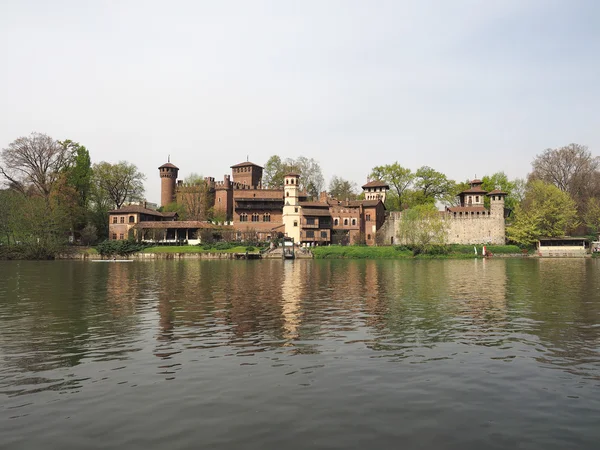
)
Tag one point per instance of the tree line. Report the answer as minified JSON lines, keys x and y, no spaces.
{"x":52,"y":194}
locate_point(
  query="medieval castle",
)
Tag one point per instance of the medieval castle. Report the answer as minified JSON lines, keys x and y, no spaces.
{"x":246,"y":207}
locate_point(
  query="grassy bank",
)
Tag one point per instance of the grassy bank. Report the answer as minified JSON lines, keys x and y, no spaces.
{"x":402,"y":252}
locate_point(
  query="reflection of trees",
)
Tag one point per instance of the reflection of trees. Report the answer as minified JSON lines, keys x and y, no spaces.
{"x":59,"y":313}
{"x":557,"y":297}
{"x":433,"y":301}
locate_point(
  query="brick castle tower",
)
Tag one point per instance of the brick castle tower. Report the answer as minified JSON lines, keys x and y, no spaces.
{"x":168,"y":181}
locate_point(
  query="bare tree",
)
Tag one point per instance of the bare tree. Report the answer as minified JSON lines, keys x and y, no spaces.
{"x":195,"y":197}
{"x":34,"y":161}
{"x":569,"y":168}
{"x":342,"y":189}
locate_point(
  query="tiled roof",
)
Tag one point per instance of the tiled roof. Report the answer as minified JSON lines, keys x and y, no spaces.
{"x":314,"y":204}
{"x":137,"y":209}
{"x":376,"y":183}
{"x":474,"y":190}
{"x":181,"y":224}
{"x":261,"y":199}
{"x":245,"y":163}
{"x":497,"y":192}
{"x":364,"y":203}
{"x":169,"y":165}
{"x":315,"y":212}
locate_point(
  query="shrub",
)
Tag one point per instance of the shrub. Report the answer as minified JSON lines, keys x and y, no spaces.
{"x":121,"y":248}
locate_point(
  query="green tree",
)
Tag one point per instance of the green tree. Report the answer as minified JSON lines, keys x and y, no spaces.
{"x":499,"y":180}
{"x":273,"y":172}
{"x":423,"y":227}
{"x":399,"y":178}
{"x":121,"y":182}
{"x":342,"y":189}
{"x":9,"y":201}
{"x":546,"y":211}
{"x":432,"y":186}
{"x":79,"y":170}
{"x":592,"y":215}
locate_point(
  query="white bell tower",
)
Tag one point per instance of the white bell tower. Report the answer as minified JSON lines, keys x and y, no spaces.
{"x":291,"y":206}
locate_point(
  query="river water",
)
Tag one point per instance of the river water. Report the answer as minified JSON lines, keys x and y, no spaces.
{"x":467,"y":354}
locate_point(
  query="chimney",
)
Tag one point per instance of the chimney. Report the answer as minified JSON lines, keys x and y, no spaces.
{"x":323,"y":197}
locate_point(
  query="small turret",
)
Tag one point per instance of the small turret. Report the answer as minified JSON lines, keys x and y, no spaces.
{"x":497,"y":198}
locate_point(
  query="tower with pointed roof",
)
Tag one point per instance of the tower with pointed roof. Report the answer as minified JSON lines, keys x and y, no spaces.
{"x":168,"y":180}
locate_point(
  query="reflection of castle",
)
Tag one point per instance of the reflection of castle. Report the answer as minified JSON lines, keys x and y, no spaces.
{"x":241,"y":199}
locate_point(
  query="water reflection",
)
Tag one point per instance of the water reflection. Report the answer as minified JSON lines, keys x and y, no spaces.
{"x":85,"y":328}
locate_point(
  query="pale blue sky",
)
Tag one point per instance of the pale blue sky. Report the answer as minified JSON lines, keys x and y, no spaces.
{"x":467,"y":87}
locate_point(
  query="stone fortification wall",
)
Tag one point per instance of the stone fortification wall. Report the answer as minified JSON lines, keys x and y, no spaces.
{"x":461,"y":230}
{"x":476,"y":230}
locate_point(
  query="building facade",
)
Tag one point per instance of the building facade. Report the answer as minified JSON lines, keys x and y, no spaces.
{"x":241,"y":201}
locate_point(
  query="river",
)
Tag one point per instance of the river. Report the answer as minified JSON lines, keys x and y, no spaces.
{"x":439,"y":354}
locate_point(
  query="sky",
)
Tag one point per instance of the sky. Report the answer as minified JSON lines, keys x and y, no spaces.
{"x":468,"y":87}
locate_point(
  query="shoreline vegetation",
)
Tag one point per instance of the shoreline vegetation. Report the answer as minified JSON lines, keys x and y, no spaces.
{"x":403,"y":252}
{"x":128,"y":249}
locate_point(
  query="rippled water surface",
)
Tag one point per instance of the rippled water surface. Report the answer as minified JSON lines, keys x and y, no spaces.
{"x":470,"y":354}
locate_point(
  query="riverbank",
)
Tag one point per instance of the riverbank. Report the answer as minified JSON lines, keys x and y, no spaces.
{"x":402,"y":252}
{"x":325,"y":252}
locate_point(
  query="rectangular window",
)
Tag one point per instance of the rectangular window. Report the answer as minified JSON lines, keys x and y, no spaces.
{"x":310,"y":221}
{"x":115,"y":219}
{"x":368,"y":217}
{"x":122,"y":219}
{"x":310,"y":234}
{"x":324,"y":234}
{"x":121,"y":236}
{"x":114,"y":236}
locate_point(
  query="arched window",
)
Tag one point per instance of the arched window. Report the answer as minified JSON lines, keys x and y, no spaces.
{"x":287,"y":194}
{"x":353,"y":221}
{"x":345,"y":221}
{"x":368,"y":237}
{"x":131,"y":219}
{"x":255,"y":217}
{"x":336,"y":221}
{"x":266,"y":217}
{"x":243,"y":217}
{"x":287,"y":181}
